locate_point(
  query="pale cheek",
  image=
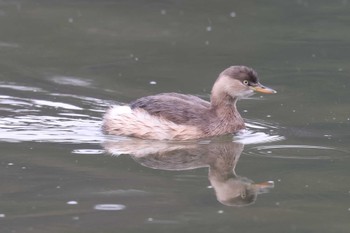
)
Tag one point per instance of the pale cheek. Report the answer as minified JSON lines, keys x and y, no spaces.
{"x":246,"y":93}
{"x":237,"y":90}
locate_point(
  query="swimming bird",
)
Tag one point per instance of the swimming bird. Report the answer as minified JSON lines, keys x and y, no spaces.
{"x":174,"y":116}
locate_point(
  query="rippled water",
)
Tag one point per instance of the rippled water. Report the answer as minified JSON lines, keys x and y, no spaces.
{"x":51,"y":117}
{"x":62,"y":64}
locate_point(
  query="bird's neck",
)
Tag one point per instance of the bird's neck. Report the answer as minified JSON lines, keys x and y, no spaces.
{"x":224,"y":105}
{"x":226,"y":114}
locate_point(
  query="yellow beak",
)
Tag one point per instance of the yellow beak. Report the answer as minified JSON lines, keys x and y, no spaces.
{"x":264,"y":186}
{"x":263,"y":89}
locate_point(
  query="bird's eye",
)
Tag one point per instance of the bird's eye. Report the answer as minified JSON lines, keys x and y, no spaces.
{"x":245,"y":82}
{"x":243,"y":194}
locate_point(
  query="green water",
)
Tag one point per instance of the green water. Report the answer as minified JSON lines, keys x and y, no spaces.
{"x":62,"y":63}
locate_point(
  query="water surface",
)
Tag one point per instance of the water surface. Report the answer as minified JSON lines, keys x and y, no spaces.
{"x":63,"y":63}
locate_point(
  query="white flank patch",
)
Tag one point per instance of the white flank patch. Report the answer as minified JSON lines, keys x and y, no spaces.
{"x":122,"y":120}
{"x":119,"y":109}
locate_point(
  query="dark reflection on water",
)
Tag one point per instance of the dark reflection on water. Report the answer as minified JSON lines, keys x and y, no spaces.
{"x":220,"y":157}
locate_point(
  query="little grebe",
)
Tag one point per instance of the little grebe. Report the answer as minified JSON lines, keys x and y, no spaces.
{"x":173,"y":116}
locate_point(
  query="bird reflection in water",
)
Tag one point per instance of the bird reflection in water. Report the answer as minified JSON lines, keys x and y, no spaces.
{"x":221,"y":157}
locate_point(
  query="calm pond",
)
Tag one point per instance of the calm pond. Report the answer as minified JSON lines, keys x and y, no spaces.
{"x":63,"y":63}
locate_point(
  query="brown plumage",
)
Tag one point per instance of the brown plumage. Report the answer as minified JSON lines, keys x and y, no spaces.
{"x":173,"y":116}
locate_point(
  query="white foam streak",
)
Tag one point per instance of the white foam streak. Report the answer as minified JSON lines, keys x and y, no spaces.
{"x":56,"y":104}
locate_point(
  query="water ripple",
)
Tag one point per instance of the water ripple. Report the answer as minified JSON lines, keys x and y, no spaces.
{"x":67,"y":80}
{"x":50,"y":129}
{"x":251,"y":137}
{"x":109,"y":207}
{"x":55,"y":104}
{"x":88,"y":151}
{"x":308,"y":152}
{"x":258,"y":132}
{"x":50,"y":117}
{"x":14,"y":86}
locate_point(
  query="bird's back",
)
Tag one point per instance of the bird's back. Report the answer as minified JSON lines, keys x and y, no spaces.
{"x":174,"y":107}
